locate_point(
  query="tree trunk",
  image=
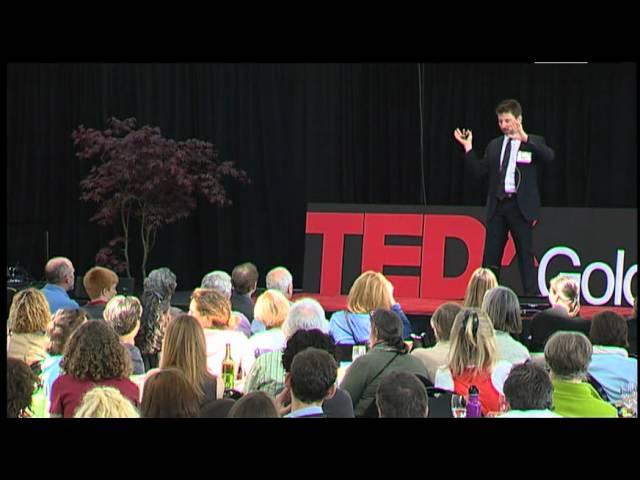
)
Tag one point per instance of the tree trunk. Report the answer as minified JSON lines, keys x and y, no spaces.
{"x":125,"y":228}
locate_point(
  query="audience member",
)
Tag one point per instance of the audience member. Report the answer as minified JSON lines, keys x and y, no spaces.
{"x":100,"y":284}
{"x":402,"y":395}
{"x":21,"y":385}
{"x":271,"y":308}
{"x":503,"y":307}
{"x":168,"y":394}
{"x":105,"y":402}
{"x":529,"y":392}
{"x":221,"y":282}
{"x":254,"y":405}
{"x":123,"y":314}
{"x":60,"y":276}
{"x":28,"y":320}
{"x":244,"y":280}
{"x":481,"y":280}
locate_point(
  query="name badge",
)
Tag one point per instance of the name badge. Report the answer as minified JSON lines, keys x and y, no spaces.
{"x":523,"y":157}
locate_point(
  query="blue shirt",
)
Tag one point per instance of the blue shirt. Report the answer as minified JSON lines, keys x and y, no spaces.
{"x":612,"y":368}
{"x":257,"y":326}
{"x":360,"y":324}
{"x":306,"y":412}
{"x":58,"y":298}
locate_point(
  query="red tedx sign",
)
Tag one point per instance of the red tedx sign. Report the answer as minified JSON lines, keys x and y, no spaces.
{"x":428,"y":256}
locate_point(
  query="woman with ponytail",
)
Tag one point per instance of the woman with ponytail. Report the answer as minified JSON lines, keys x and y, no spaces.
{"x":473,"y":360}
{"x":388,"y":352}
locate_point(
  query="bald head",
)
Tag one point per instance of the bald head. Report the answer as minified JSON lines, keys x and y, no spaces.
{"x":60,"y":271}
{"x":279,"y":278}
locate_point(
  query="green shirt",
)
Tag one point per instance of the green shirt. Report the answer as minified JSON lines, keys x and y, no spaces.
{"x":579,"y":400}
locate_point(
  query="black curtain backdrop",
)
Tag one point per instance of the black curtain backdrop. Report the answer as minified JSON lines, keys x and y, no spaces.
{"x":304,"y":133}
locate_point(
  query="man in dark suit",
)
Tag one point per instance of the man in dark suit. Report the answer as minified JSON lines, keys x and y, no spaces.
{"x":513,"y":200}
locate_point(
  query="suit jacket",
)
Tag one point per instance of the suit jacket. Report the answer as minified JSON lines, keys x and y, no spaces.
{"x":528,"y":197}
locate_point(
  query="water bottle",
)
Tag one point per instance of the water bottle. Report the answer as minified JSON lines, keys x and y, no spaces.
{"x":474,"y":409}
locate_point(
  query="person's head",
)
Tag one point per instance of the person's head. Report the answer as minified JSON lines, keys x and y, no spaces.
{"x":280,"y":278}
{"x":304,"y":314}
{"x":161,"y":281}
{"x":442,"y":320}
{"x":564,"y":291}
{"x":100,"y":283}
{"x":211,"y":309}
{"x":60,"y":271}
{"x":244,"y":278}
{"x":64,"y":323}
{"x":370,"y":291}
{"x":303,"y":339}
{"x":168,"y":394}
{"x":155,"y":315}
{"x":568,"y":354}
{"x":313,"y":375}
{"x":219,"y":281}
{"x":401,"y":395}
{"x":473,"y":342}
{"x":94,"y":353}
{"x":185,"y":347}
{"x":21,"y":385}
{"x":482,"y":279}
{"x":271,"y":308}
{"x":503,"y":307}
{"x":609,"y":328}
{"x":528,"y":387}
{"x":105,"y":402}
{"x":386,"y":327}
{"x":254,"y":405}
{"x":29,"y":312}
{"x":123,"y":314}
{"x":508,"y":111}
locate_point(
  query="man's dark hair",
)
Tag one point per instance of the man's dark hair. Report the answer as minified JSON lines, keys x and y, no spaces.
{"x":21,"y":384}
{"x":244,"y":278}
{"x":313,"y":373}
{"x":304,"y":339}
{"x":509,"y":106}
{"x":528,"y":387}
{"x":402,"y":395}
{"x":609,"y":328}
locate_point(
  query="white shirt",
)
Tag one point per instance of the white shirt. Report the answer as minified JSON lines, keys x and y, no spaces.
{"x":216,"y":350}
{"x":510,"y":181}
{"x":529,"y":414}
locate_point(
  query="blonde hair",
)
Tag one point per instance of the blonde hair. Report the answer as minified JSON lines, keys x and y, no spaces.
{"x":482,"y":280}
{"x":370,"y":291}
{"x":213,"y":306}
{"x":29,"y":312}
{"x":271,"y":308}
{"x":473,"y":342}
{"x":184,"y":347}
{"x":105,"y":402}
{"x":567,"y":290}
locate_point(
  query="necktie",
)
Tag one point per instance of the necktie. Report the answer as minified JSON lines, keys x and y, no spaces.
{"x":503,"y":170}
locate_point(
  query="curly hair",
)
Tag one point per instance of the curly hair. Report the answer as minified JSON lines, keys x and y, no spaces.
{"x":105,"y":402}
{"x":304,"y":339}
{"x":21,"y":384}
{"x":29,"y":312}
{"x":64,"y":323}
{"x":151,"y":333}
{"x":94,"y":352}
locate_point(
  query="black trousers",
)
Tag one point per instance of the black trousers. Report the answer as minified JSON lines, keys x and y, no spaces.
{"x":508,"y":218}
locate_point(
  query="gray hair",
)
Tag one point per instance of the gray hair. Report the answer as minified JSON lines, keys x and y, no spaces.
{"x":305,"y":314}
{"x":568,"y":354}
{"x":503,"y":307}
{"x":161,"y":281}
{"x":219,"y":281}
{"x":279,"y":278}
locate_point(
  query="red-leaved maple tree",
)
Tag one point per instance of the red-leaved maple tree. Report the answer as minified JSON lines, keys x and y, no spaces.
{"x":143,"y":176}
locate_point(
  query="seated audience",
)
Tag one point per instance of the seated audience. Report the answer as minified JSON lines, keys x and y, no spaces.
{"x":105,"y":402}
{"x":481,"y":281}
{"x":529,"y":392}
{"x":254,"y":405}
{"x":60,"y":276}
{"x":388,"y":353}
{"x":271,"y":308}
{"x":213,"y":312}
{"x":402,"y":395}
{"x":244,"y":280}
{"x":473,"y":360}
{"x":22,"y":383}
{"x":267,"y":374}
{"x":441,"y":323}
{"x":123,"y":314}
{"x":28,"y":320}
{"x":568,"y":354}
{"x":185,"y":348}
{"x":338,"y":406}
{"x":610,"y":364}
{"x":100,"y":284}
{"x":217,"y":408}
{"x":93,"y":356}
{"x":168,"y":394}
{"x":370,"y":291}
{"x":221,"y":282}
{"x":564,"y":296}
{"x":503,"y":307}
{"x":311,"y":381}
